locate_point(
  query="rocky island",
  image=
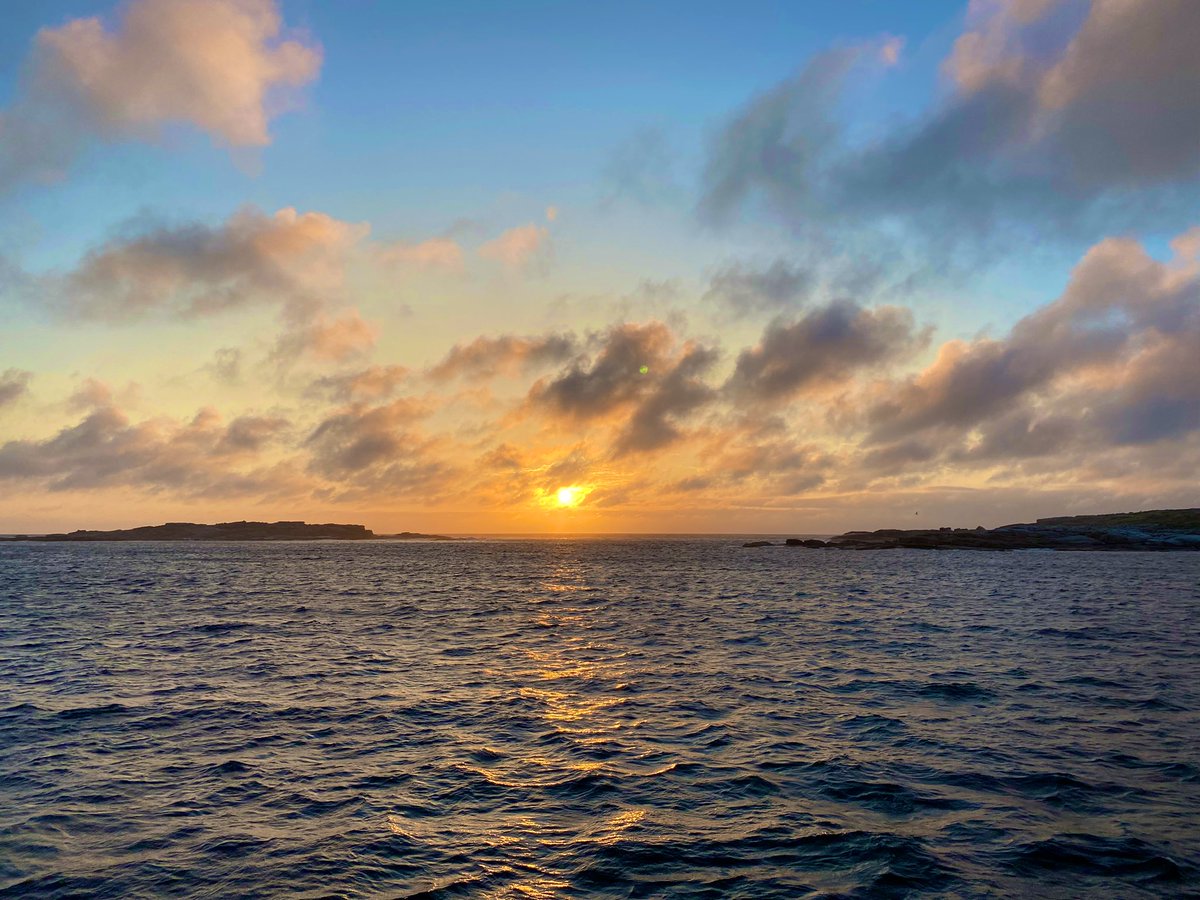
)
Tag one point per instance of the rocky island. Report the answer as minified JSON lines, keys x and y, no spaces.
{"x":1155,"y":529}
{"x":234,"y":531}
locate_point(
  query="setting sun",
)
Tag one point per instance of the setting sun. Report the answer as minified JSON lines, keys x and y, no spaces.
{"x":569,"y":496}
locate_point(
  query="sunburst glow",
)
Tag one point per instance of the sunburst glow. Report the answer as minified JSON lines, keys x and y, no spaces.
{"x":569,"y":496}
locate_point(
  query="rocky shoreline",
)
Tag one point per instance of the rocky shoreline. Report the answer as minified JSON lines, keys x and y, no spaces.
{"x":1158,"y":530}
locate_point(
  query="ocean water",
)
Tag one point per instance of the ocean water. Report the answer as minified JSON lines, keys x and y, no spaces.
{"x":572,"y":718}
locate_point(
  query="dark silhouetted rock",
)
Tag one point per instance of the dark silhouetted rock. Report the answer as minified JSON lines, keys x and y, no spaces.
{"x":417,"y":536}
{"x":236,"y":531}
{"x":225,"y":531}
{"x":811,"y":543}
{"x":758,"y":544}
{"x":1162,"y":529}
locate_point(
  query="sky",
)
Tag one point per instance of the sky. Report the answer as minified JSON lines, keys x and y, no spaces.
{"x":625,"y":267}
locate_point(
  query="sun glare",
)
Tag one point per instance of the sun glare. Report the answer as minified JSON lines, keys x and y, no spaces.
{"x":569,"y":496}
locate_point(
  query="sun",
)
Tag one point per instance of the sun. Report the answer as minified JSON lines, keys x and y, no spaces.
{"x":569,"y":496}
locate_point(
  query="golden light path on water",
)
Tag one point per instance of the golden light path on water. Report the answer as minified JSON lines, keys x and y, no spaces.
{"x":553,"y":679}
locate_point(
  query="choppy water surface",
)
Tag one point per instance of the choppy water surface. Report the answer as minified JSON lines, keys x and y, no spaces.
{"x":595,"y":718}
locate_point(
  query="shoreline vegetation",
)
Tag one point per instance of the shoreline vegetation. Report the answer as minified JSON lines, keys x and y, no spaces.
{"x":1155,"y":529}
{"x":235,"y":531}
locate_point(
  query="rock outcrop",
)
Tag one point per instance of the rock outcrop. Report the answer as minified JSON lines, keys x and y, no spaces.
{"x":1157,"y":529}
{"x":225,"y":531}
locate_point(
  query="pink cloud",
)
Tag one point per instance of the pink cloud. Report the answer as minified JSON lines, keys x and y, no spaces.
{"x":436,"y":253}
{"x":223,"y":67}
{"x":210,"y":63}
{"x":518,"y":247}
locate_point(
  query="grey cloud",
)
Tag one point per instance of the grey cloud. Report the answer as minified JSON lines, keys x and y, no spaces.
{"x":673,"y":397}
{"x":1127,"y":93}
{"x":1157,"y":399}
{"x":638,"y":369}
{"x":367,"y":448}
{"x":774,"y":144}
{"x":14,"y":384}
{"x":105,"y":449}
{"x":744,"y":288}
{"x":1119,"y":302}
{"x":591,"y":387}
{"x":899,"y":455}
{"x":1097,"y":380}
{"x":194,"y":269}
{"x":824,"y":345}
{"x":1082,"y":118}
{"x":250,"y":434}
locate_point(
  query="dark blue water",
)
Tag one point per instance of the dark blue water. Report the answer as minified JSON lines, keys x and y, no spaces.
{"x":596,"y":719}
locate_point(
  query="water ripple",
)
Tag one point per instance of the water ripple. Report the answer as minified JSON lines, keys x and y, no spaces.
{"x":595,"y":719}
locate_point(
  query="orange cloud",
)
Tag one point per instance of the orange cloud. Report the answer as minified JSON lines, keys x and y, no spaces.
{"x":329,"y":339}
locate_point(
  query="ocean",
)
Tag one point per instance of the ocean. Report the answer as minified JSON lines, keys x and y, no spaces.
{"x":596,"y":718}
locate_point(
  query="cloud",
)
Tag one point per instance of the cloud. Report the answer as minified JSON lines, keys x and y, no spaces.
{"x":1061,"y":119}
{"x":520,"y":248}
{"x":1112,"y":362}
{"x":14,"y":384}
{"x":672,"y":398}
{"x":593,"y":386}
{"x":327,"y":338}
{"x":295,"y":261}
{"x":366,"y":448}
{"x":371,"y":383}
{"x":226,"y":365}
{"x":776,"y":140}
{"x":220,"y":66}
{"x":290,"y":258}
{"x":822,"y":347}
{"x":441,"y":253}
{"x":200,"y":457}
{"x":640,"y":376}
{"x":250,"y":434}
{"x":763,"y":452}
{"x":92,"y":394}
{"x":1117,"y":100}
{"x":744,"y":288}
{"x":504,"y":355}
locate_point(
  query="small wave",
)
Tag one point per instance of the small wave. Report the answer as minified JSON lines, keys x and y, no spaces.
{"x":92,"y":712}
{"x":222,"y":627}
{"x":1130,"y":858}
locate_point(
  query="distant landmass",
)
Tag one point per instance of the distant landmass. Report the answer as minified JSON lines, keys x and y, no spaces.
{"x":1154,"y":529}
{"x":235,"y":531}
